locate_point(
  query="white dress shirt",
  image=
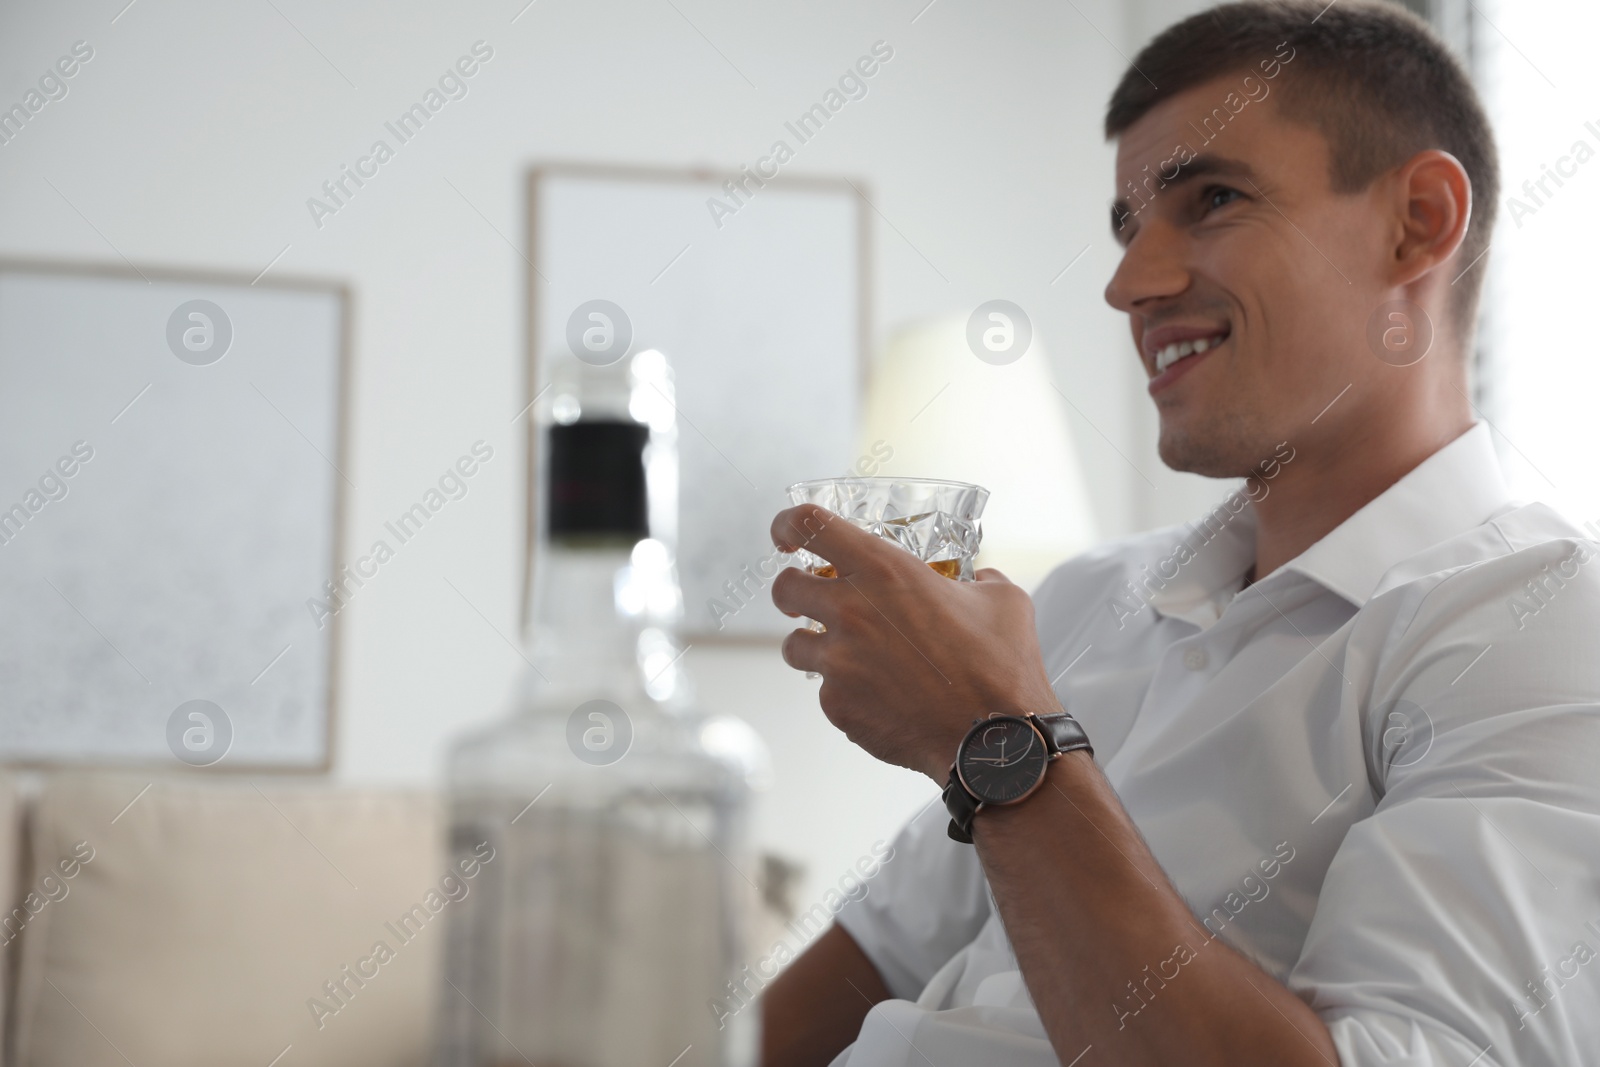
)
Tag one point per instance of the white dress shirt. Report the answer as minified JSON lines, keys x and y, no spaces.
{"x":1375,"y":772}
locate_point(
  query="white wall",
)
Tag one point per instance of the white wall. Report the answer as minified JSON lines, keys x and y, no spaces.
{"x":198,"y":131}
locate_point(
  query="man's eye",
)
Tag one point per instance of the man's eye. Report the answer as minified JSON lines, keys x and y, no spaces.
{"x":1218,"y":195}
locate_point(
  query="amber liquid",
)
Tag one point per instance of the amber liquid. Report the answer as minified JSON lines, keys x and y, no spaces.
{"x":950,"y":568}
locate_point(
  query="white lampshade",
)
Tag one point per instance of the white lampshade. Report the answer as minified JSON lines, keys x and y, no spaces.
{"x":947,"y":414}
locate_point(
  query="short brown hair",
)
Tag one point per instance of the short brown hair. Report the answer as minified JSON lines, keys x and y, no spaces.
{"x":1371,"y":78}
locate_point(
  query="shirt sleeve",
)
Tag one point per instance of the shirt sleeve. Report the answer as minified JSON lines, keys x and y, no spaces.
{"x":927,"y":903}
{"x":1460,"y":922}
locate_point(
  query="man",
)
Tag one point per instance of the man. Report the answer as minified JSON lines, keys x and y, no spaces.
{"x":1342,"y":804}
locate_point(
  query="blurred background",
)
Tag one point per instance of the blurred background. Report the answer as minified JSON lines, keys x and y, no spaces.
{"x":200,"y":151}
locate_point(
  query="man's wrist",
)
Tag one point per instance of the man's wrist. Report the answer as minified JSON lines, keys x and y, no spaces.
{"x":940,"y":762}
{"x":939,"y":768}
{"x":1060,"y":774}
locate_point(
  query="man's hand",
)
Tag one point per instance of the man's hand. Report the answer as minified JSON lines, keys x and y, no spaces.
{"x":910,"y":658}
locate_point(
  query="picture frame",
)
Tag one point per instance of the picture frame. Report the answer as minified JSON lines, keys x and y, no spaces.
{"x":759,"y":295}
{"x":213,"y":505}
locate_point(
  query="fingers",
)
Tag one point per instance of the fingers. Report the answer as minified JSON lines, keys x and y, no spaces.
{"x":802,"y":649}
{"x":825,"y":534}
{"x":795,"y":592}
{"x":793,"y":528}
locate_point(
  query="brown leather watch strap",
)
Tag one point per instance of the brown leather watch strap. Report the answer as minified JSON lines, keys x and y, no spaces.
{"x":1063,"y":733}
{"x":963,"y":808}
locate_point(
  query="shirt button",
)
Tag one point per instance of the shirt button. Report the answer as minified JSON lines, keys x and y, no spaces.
{"x":1195,"y":659}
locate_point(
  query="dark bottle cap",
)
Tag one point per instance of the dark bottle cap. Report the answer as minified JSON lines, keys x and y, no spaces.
{"x":597,"y":483}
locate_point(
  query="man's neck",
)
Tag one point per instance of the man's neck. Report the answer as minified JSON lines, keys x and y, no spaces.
{"x":1330,"y":481}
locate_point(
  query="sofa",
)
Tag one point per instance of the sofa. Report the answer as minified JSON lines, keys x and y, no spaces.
{"x":198,"y":921}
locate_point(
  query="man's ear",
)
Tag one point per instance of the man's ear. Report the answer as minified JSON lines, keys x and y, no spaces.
{"x":1434,"y":196}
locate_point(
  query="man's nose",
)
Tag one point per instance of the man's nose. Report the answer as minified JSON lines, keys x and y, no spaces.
{"x":1152,"y":268}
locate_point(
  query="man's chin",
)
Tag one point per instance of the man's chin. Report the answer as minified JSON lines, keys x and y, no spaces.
{"x":1206,"y":452}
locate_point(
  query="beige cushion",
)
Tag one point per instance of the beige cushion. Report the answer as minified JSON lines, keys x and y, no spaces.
{"x":10,"y":859}
{"x":212,"y":913}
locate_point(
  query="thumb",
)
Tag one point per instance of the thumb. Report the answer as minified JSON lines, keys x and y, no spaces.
{"x":990,"y":574}
{"x":825,"y":534}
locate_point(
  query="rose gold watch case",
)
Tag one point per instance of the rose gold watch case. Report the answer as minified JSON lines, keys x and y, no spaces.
{"x":1032,"y":721}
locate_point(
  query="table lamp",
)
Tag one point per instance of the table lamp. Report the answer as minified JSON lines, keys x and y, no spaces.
{"x":941,"y":412}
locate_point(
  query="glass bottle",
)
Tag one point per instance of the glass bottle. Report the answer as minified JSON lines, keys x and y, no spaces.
{"x":605,"y":923}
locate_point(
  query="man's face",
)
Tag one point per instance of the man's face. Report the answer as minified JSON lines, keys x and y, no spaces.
{"x":1237,"y":250}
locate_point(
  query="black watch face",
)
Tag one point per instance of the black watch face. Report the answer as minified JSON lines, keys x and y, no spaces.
{"x":1002,"y":760}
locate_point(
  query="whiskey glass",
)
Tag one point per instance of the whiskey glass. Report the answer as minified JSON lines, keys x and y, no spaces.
{"x":936,"y":520}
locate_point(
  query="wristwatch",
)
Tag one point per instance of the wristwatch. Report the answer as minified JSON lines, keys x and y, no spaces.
{"x":1002,"y":760}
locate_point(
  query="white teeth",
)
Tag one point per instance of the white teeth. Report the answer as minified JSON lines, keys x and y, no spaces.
{"x":1172,"y":353}
{"x":1169,"y":355}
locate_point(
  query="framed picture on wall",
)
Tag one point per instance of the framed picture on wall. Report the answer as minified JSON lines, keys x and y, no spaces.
{"x":172,"y":478}
{"x":756,"y":292}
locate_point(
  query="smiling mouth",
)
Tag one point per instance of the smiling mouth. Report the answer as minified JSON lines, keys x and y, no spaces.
{"x":1179,"y":350}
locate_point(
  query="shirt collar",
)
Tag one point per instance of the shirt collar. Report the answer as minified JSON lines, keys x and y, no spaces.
{"x":1194,"y":578}
{"x":1450,"y":492}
